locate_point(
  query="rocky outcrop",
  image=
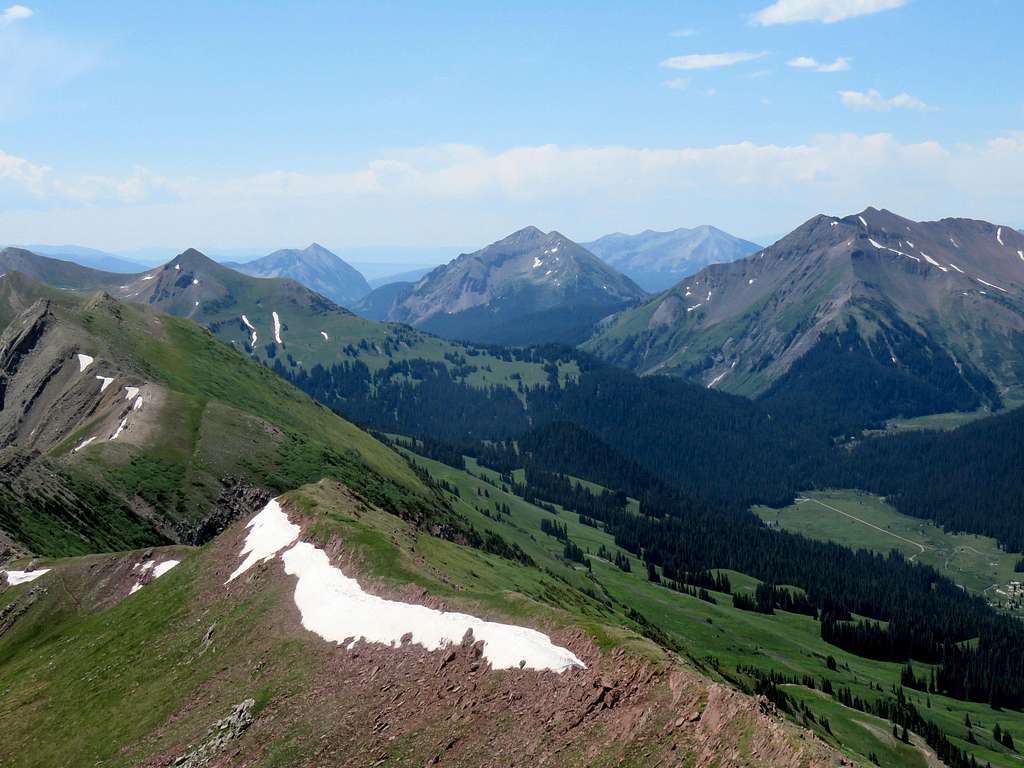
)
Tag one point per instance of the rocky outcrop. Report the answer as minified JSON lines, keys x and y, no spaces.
{"x":237,"y":499}
{"x":219,"y":736}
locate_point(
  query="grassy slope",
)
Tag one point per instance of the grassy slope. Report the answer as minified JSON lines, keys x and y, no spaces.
{"x":722,"y":638}
{"x":223,"y":416}
{"x":374,"y":343}
{"x":976,"y":562}
{"x":82,"y":687}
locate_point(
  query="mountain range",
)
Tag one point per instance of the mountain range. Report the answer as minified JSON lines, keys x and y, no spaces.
{"x":658,"y":260}
{"x":180,"y":518}
{"x":187,"y":505}
{"x":531,"y":286}
{"x":937,"y":305}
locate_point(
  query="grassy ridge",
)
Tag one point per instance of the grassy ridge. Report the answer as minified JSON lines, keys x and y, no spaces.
{"x":121,"y":684}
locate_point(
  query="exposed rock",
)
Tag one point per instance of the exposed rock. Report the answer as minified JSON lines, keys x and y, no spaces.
{"x":219,"y":736}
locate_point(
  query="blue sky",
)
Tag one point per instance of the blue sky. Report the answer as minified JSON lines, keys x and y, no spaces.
{"x":249,"y":125}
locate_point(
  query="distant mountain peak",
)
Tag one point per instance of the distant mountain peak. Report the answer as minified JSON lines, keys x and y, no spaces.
{"x":316,"y":268}
{"x":483,"y":295}
{"x":656,"y":260}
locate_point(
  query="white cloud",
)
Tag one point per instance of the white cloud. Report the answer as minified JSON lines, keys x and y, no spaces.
{"x":684,"y":32}
{"x":709,"y":60}
{"x":826,"y":11}
{"x":841,"y":64}
{"x":472,"y":195}
{"x":873,"y":100}
{"x":43,"y":185}
{"x":678,"y":83}
{"x":14,"y":13}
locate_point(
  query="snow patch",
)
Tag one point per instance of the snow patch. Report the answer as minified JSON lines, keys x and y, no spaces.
{"x":82,"y":444}
{"x":538,"y":262}
{"x":933,"y":262}
{"x":164,"y":567}
{"x":863,"y":222}
{"x":130,"y":393}
{"x":148,"y":277}
{"x":14,"y":578}
{"x":892,"y":250}
{"x":695,"y":306}
{"x":336,"y":608}
{"x":138,"y":404}
{"x":249,"y":326}
{"x":269,"y":532}
{"x":1021,"y":254}
{"x":277,"y":328}
{"x":954,"y":242}
{"x":158,"y":571}
{"x":324,"y":334}
{"x":999,"y":235}
{"x":954,"y":266}
{"x":721,"y":376}
{"x":120,"y":428}
{"x":750,"y":281}
{"x":84,"y":361}
{"x":106,"y":381}
{"x":991,"y":285}
{"x":195,"y":281}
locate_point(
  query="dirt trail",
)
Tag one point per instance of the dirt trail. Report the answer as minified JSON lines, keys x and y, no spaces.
{"x":917,"y":544}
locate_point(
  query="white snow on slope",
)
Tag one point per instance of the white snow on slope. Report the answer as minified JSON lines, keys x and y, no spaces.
{"x":249,"y":326}
{"x":717,"y":379}
{"x":862,"y":221}
{"x":14,"y":578}
{"x":138,"y":404}
{"x":130,"y":393}
{"x":933,"y":262}
{"x":990,"y":285}
{"x":537,"y":262}
{"x":336,"y":608}
{"x":84,"y":361}
{"x":106,"y":381}
{"x":269,"y":533}
{"x":83,"y":444}
{"x":695,"y":306}
{"x":148,"y":277}
{"x":324,"y":334}
{"x":893,"y":250}
{"x":277,"y":328}
{"x":158,"y":571}
{"x":954,"y":266}
{"x":164,"y":567}
{"x":120,"y":428}
{"x":1021,"y":254}
{"x":999,"y":235}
